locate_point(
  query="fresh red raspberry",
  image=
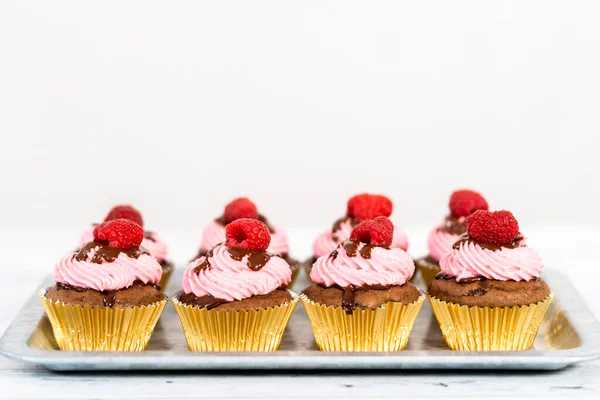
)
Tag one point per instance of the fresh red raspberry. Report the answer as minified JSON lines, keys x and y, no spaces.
{"x":368,"y":206}
{"x":498,"y":227}
{"x":127,"y":212}
{"x":247,"y":233}
{"x":378,"y":231}
{"x":465,"y":202}
{"x":242,"y":207}
{"x":120,"y":233}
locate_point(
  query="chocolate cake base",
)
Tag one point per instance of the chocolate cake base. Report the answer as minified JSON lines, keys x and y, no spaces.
{"x":134,"y":296}
{"x":427,"y":262}
{"x":428,"y":267}
{"x":273,"y":299}
{"x":363,"y":297}
{"x":489,"y":293}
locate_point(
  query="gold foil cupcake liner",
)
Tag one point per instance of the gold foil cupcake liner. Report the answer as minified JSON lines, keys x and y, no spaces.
{"x":228,"y":330}
{"x":78,"y":328}
{"x":472,"y":328}
{"x":428,"y":274}
{"x":386,"y":328}
{"x":295,"y":271}
{"x":164,"y":279}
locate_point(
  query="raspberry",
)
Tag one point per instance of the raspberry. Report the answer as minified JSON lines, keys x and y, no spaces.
{"x":120,"y":233}
{"x":240,"y":208}
{"x":498,"y":227}
{"x":378,"y":231}
{"x":368,"y":206}
{"x":127,"y":212}
{"x":465,"y":202}
{"x":248,"y":234}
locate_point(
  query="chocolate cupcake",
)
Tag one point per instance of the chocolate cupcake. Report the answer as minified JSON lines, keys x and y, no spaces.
{"x":360,"y":207}
{"x":489,"y":294}
{"x":234,"y":298}
{"x":214,"y":232}
{"x":106,"y":296}
{"x":361,"y":298}
{"x":152,"y":242}
{"x":441,"y":238}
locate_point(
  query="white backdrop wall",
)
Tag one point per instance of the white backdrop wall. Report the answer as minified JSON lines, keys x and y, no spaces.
{"x":177,"y":107}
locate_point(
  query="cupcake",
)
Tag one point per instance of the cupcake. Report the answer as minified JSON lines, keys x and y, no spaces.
{"x":234,"y":298}
{"x":361,"y":298}
{"x":214,"y":232}
{"x":489,"y":294}
{"x":106,"y":296}
{"x":359,"y":208}
{"x":441,"y":238}
{"x":152,"y":242}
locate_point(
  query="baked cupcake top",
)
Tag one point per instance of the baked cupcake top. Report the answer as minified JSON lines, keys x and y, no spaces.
{"x":492,"y":248}
{"x":361,"y":207}
{"x":214,"y":231}
{"x":239,"y":268}
{"x":151,"y":241}
{"x":462,"y":204}
{"x":114,"y":260}
{"x":367,"y":258}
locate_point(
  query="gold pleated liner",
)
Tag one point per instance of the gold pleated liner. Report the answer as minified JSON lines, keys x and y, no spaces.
{"x":164,"y":279}
{"x":228,"y":330}
{"x":386,"y":328}
{"x":78,"y":328}
{"x":428,"y":274}
{"x":295,"y":272}
{"x":489,"y":328}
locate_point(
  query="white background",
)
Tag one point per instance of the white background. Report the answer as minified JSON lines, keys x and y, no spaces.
{"x":177,"y":107}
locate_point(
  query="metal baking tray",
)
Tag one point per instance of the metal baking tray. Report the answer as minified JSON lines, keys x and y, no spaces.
{"x":569,"y":334}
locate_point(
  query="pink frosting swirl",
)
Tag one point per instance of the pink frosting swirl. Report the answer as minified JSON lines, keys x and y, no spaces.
{"x":214,"y":233}
{"x":440,"y":242}
{"x":325,"y":243}
{"x":471,"y":260}
{"x":118,"y":274}
{"x":157,"y":247}
{"x":387,"y":267}
{"x":228,"y":279}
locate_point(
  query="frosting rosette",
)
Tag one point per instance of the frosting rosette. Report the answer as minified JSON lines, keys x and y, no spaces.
{"x":152,"y":242}
{"x":471,"y":260}
{"x":214,"y":233}
{"x":226,"y":275}
{"x":328,"y":240}
{"x":155,"y":245}
{"x":88,"y":269}
{"x":383,"y":265}
{"x":440,"y":241}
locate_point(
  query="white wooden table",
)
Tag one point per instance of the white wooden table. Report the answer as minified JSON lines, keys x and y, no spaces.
{"x":28,"y":256}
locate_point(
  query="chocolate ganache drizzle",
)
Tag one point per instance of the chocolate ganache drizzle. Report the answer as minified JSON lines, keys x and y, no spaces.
{"x":454,"y":225}
{"x":338,"y":223}
{"x":465,"y":239}
{"x":349,"y":297}
{"x":106,"y":253}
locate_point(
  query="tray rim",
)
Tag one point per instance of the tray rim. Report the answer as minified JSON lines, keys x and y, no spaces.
{"x":13,"y":344}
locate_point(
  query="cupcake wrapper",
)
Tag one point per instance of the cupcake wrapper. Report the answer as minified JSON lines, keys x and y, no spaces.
{"x":489,"y":328}
{"x":386,"y":328}
{"x":221,"y":330}
{"x":78,"y":328}
{"x":428,"y":274}
{"x":164,"y":279}
{"x":295,"y":272}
